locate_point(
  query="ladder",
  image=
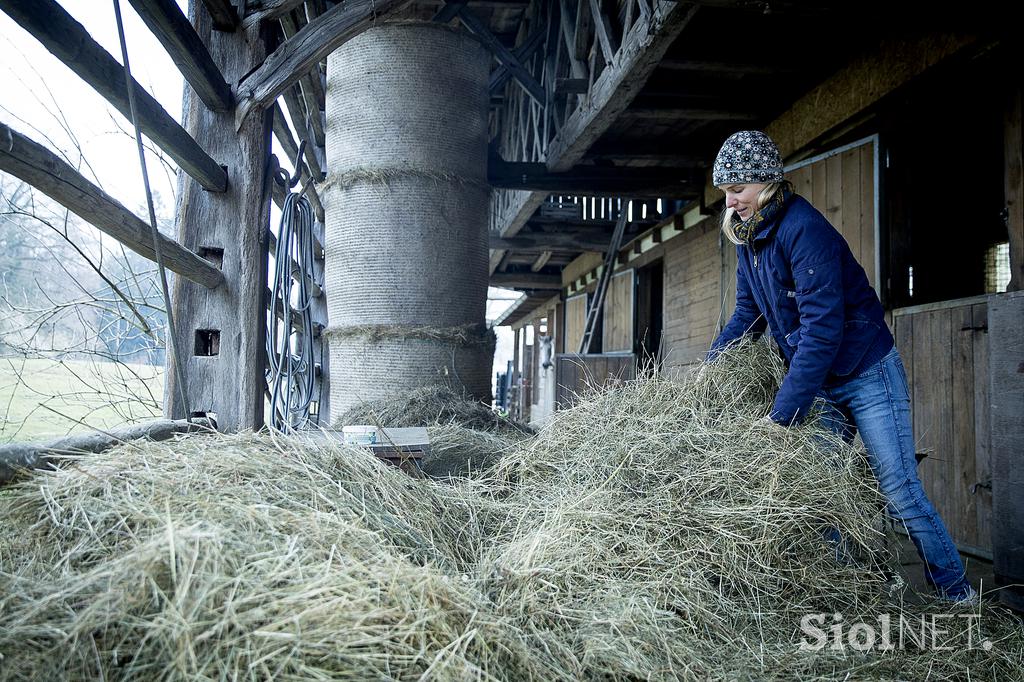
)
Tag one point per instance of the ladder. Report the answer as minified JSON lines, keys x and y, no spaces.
{"x":594,"y":309}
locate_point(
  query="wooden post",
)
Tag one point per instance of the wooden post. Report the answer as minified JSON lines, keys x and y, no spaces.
{"x":514,"y":380}
{"x":1014,"y":178}
{"x":221,"y":332}
{"x":1006,"y":359}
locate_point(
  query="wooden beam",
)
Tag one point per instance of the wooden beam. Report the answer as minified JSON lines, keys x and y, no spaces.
{"x":625,"y":148}
{"x":622,"y":181}
{"x":569,"y":32}
{"x":269,"y":10}
{"x":223,"y":14}
{"x":308,"y":87}
{"x":617,"y":86}
{"x":502,"y":54}
{"x":541,"y":261}
{"x":44,"y":170}
{"x":17,"y":458}
{"x":522,"y":53}
{"x":537,"y":242}
{"x":448,"y":11}
{"x":690,"y":113}
{"x":603,"y":28}
{"x":68,"y":40}
{"x":174,"y":31}
{"x":527,"y":280}
{"x":317,"y":39}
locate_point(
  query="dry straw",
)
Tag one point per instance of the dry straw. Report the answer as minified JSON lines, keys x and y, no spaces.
{"x":656,"y":531}
{"x":382,"y":177}
{"x":430,"y":406}
{"x":462,"y":335}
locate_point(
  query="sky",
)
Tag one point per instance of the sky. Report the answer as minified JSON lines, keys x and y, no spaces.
{"x":34,"y":82}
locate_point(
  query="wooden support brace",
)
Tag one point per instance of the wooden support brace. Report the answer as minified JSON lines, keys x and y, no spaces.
{"x":307,"y":88}
{"x":569,"y":33}
{"x":581,"y":35}
{"x":270,"y":10}
{"x":68,"y":40}
{"x":172,"y":28}
{"x":541,"y":261}
{"x":299,"y":55}
{"x":44,"y":170}
{"x":522,"y":53}
{"x":295,"y":111}
{"x":603,"y":28}
{"x":502,"y":54}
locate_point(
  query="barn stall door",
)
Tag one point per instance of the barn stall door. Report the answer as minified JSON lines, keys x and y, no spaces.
{"x":944,"y":347}
{"x":618,"y":313}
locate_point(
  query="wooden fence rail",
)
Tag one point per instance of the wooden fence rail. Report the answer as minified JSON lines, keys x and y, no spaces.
{"x":41,"y":168}
{"x":68,"y":40}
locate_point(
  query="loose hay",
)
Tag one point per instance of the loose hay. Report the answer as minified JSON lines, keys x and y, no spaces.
{"x":436,"y":405}
{"x":655,"y":531}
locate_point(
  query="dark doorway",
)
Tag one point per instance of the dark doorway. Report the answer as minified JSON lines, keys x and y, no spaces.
{"x":650,"y":295}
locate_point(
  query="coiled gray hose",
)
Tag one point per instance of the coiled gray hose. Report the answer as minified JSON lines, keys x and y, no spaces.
{"x":291,"y":371}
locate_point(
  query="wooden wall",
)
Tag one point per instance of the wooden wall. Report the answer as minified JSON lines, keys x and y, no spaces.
{"x":842,"y":187}
{"x":575,"y":320}
{"x":693,"y":296}
{"x":578,"y":374}
{"x":618,"y":314}
{"x":944,"y":347}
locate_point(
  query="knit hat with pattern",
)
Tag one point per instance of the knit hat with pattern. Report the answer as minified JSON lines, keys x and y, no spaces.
{"x":747,"y":156}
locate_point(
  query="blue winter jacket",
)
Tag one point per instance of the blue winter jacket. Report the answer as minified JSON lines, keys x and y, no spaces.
{"x":799,"y":280}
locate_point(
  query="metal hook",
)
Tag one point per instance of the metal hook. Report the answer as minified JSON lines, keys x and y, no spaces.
{"x":281,"y":176}
{"x":297,"y":166}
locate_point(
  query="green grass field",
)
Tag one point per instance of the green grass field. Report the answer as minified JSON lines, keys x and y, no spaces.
{"x":47,"y":398}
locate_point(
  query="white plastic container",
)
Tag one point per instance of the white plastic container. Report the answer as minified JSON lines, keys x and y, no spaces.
{"x":359,"y":434}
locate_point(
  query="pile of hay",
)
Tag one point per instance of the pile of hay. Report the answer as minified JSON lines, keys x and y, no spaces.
{"x":654,"y":531}
{"x":456,"y":450}
{"x":436,"y":405}
{"x":466,"y":436}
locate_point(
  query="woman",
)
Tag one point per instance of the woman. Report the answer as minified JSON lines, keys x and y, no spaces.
{"x":797,"y":278}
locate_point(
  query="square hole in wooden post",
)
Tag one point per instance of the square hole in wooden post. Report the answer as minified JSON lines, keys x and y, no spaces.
{"x":207,"y":342}
{"x":212,"y":254}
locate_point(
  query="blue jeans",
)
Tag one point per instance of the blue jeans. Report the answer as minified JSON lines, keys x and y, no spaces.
{"x":877,"y":403}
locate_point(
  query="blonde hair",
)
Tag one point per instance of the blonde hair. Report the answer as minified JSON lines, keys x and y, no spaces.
{"x":730,"y":218}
